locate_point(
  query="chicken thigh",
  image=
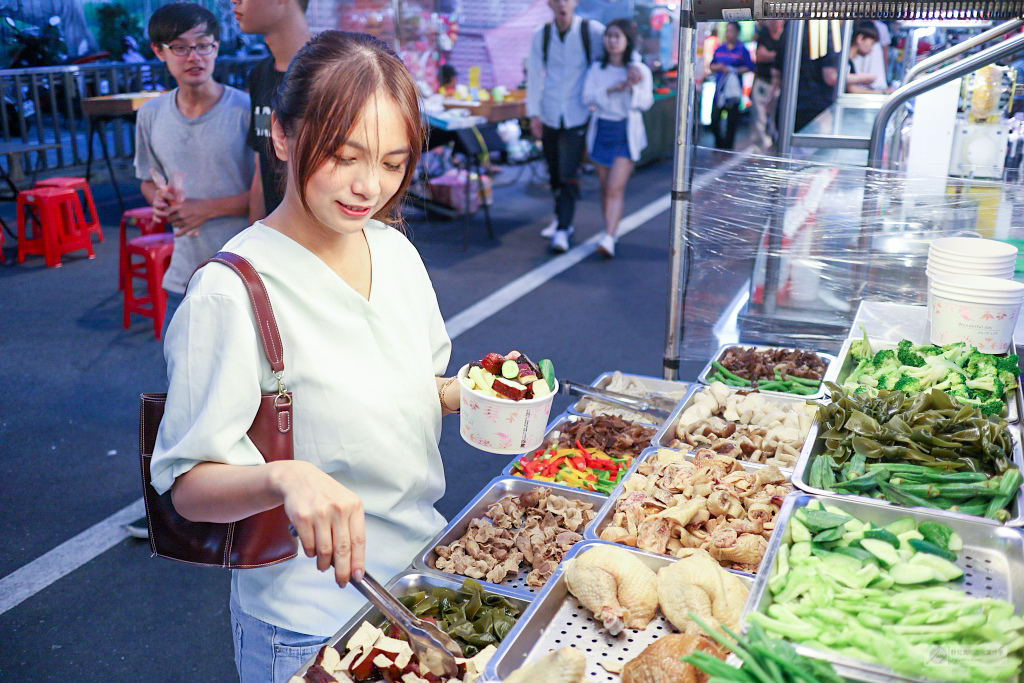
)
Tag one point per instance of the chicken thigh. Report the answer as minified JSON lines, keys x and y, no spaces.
{"x":696,"y":583}
{"x":616,"y":586}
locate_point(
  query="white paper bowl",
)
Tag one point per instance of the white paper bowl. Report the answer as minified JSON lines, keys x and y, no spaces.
{"x":981,"y":312}
{"x":499,"y":425}
{"x":972,"y":248}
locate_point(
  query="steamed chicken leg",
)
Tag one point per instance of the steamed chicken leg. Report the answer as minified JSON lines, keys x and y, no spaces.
{"x":616,"y":586}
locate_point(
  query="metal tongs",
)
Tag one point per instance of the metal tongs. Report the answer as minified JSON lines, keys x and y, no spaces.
{"x":434,"y":648}
{"x":652,"y":404}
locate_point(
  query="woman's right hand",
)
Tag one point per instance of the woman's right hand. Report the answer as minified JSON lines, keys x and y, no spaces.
{"x":327,"y":516}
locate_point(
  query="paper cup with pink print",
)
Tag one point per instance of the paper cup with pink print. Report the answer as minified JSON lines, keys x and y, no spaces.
{"x":979,"y":311}
{"x":500,"y":425}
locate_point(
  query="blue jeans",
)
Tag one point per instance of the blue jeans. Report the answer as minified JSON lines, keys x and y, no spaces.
{"x":265,"y":653}
{"x":173,"y":301}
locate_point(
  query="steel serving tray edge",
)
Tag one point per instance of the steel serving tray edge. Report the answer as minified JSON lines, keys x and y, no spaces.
{"x":840,"y":370}
{"x":666,"y":434}
{"x":411,"y":581}
{"x":607,"y":511}
{"x":556,"y":619}
{"x":993,"y":547}
{"x":829,"y":359}
{"x":495,"y":490}
{"x":602,"y":381}
{"x":814,"y":446}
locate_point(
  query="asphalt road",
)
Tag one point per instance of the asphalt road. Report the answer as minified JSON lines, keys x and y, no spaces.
{"x":69,"y":418}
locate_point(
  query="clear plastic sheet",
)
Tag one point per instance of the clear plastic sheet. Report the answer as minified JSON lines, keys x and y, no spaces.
{"x":783,"y":251}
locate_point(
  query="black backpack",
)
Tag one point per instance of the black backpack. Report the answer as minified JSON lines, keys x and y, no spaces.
{"x":585,"y":31}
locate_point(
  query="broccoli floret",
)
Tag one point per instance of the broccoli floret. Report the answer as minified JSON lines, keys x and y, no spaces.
{"x":980,"y":364}
{"x":908,"y":384}
{"x":861,"y":349}
{"x":929,"y":350}
{"x":863,"y":366}
{"x":889,"y":380}
{"x":989,"y":384}
{"x":957,"y":353}
{"x":993,"y":407}
{"x":906,"y":354}
{"x":962,"y":394}
{"x":930,"y":374}
{"x":1008,"y":379}
{"x":1007,"y":364}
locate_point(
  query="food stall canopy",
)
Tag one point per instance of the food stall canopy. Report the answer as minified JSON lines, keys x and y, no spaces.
{"x":736,"y":10}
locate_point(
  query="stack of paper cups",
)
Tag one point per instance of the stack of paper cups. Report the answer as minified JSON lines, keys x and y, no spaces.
{"x":956,"y":256}
{"x":979,"y":311}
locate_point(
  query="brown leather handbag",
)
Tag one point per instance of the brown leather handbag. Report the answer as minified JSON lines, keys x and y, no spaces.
{"x":258,"y":541}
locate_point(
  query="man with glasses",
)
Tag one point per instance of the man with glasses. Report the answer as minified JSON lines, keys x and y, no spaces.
{"x":190,"y":150}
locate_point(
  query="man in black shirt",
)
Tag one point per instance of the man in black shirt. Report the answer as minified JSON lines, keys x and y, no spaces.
{"x":282,"y":23}
{"x":819,"y":72}
{"x":767,"y":81}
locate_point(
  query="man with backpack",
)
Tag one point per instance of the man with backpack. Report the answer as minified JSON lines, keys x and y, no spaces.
{"x":560,"y":54}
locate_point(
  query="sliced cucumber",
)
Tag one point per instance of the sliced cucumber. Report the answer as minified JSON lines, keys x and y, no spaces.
{"x":836,"y":511}
{"x":828,"y":535}
{"x":936,"y":533}
{"x":901,"y":525}
{"x":851,"y":564}
{"x":851,"y":538}
{"x":819,"y":520}
{"x":857,"y":553}
{"x":956,"y":544}
{"x":799,"y":551}
{"x":932,"y":549}
{"x":510,"y":369}
{"x":945,"y":569}
{"x":885,"y":552}
{"x":798,"y":532}
{"x":907,"y":573}
{"x":813,"y":505}
{"x":883,"y":535}
{"x":883,"y":582}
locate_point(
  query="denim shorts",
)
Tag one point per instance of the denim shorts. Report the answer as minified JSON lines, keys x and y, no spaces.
{"x":265,"y":653}
{"x":610,"y":142}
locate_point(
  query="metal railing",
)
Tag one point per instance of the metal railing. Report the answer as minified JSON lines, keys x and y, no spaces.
{"x":43,"y":106}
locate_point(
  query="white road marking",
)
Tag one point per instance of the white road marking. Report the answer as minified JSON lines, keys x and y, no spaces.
{"x":33,"y":577}
{"x":28,"y":580}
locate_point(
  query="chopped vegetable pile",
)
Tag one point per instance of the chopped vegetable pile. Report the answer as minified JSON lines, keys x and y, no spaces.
{"x":787,"y":370}
{"x":574,"y":467}
{"x":473,"y":617}
{"x":926,"y":451}
{"x":764,"y":659}
{"x":884,"y":595}
{"x":971,"y":377}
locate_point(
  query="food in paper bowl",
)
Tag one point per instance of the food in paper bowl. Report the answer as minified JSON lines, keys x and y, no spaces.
{"x":505,"y":401}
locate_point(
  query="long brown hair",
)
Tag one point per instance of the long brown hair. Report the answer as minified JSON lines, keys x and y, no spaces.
{"x":327,"y":85}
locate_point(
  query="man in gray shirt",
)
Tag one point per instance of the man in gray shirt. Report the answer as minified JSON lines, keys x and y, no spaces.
{"x":195,"y":133}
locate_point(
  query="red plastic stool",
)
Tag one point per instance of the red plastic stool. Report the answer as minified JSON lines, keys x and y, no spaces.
{"x":60,"y":228}
{"x":92,"y":225}
{"x":155,"y":251}
{"x":147,"y":224}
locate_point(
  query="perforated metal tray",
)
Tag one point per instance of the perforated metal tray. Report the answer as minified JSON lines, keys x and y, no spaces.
{"x":841,"y":369}
{"x":495,"y":490}
{"x":607,"y":511}
{"x":556,"y":619}
{"x":404,"y":584}
{"x":667,"y":433}
{"x":709,"y":368}
{"x":556,"y":425}
{"x":815,"y":446}
{"x":992,"y":559}
{"x":652,"y":384}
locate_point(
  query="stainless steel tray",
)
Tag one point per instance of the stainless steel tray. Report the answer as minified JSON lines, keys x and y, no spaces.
{"x":607,"y":511}
{"x":411,"y":582}
{"x":829,"y":359}
{"x":840,"y":370}
{"x":992,"y":559}
{"x":814,"y":446}
{"x":653,"y":384}
{"x":494,"y":491}
{"x":557,"y":619}
{"x":667,"y":433}
{"x":556,"y":425}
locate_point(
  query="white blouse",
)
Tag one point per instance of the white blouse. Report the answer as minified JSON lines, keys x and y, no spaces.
{"x":366,"y":409}
{"x":623,"y":104}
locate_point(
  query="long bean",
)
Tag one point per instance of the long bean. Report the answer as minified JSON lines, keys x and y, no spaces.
{"x":730,"y":374}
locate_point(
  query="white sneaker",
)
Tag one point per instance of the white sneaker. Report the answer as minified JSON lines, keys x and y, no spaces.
{"x":549,"y":232}
{"x":606,"y":245}
{"x":560,"y":242}
{"x":137,"y":530}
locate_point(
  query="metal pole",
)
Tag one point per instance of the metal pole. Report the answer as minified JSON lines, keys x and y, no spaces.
{"x":896,"y":100}
{"x":960,"y":48}
{"x":844,"y":60}
{"x":682,"y":176}
{"x":790,"y":85}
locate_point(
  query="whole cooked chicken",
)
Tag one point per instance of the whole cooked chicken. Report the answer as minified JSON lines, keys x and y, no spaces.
{"x":698,"y":584}
{"x":559,"y":666}
{"x":615,"y":585}
{"x":660,"y":661}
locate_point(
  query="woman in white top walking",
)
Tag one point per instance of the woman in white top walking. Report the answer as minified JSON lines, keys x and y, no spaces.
{"x":616,"y":134}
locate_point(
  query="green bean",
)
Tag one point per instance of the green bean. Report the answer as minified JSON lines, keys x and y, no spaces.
{"x":728,"y":373}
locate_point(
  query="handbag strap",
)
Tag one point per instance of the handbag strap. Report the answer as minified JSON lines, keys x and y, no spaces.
{"x":267,"y":324}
